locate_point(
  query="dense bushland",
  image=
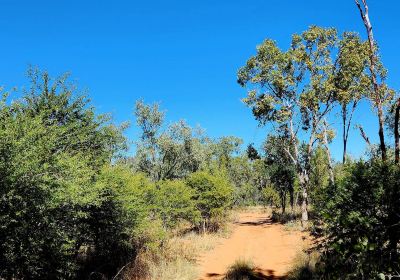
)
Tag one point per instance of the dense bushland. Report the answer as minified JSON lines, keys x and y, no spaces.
{"x":73,"y":204}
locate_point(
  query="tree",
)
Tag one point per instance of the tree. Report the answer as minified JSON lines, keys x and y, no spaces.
{"x":173,"y":203}
{"x":392,"y":120}
{"x":281,"y":171}
{"x":396,"y":132}
{"x":225,"y":148}
{"x":362,"y":222}
{"x":350,"y":80}
{"x":380,"y":94}
{"x":252,"y":152}
{"x":292,"y":87}
{"x":171,"y":152}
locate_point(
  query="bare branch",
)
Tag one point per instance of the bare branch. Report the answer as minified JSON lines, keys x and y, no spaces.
{"x":364,"y":135}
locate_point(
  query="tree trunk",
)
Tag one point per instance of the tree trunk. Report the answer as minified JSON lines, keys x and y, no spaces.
{"x":291,"y":197}
{"x":344,"y":116}
{"x":396,"y":133}
{"x":328,"y":154}
{"x":304,"y":205}
{"x":372,"y":57}
{"x":381,"y":133}
{"x":344,"y":150}
{"x":304,"y":182}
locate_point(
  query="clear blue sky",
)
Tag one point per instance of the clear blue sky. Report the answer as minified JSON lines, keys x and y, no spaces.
{"x":184,"y":54}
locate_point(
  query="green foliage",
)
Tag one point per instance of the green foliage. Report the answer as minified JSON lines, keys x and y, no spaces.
{"x":319,"y":178}
{"x":281,"y":171}
{"x":271,"y":197}
{"x":224,"y":150}
{"x":213,"y":193}
{"x":171,"y":152}
{"x":52,"y":148}
{"x":362,"y":219}
{"x":174,"y":203}
{"x":244,"y":176}
{"x":252,"y":152}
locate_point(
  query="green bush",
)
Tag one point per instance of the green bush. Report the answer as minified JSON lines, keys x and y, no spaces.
{"x":271,"y":196}
{"x":213,"y":194}
{"x":52,"y":148}
{"x":119,"y":218}
{"x":173,"y":203}
{"x":363,"y":222}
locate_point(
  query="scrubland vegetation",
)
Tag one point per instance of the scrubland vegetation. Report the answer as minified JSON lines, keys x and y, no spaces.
{"x":74,"y":204}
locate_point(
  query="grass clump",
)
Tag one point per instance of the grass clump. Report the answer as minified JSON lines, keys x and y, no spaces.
{"x":304,"y":266}
{"x":242,"y":269}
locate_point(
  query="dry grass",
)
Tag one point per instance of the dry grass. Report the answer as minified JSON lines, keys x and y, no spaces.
{"x":243,"y":269}
{"x":304,"y":266}
{"x":176,"y":259}
{"x":294,"y":225}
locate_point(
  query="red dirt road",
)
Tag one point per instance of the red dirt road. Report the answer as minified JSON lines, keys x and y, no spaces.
{"x":255,"y":238}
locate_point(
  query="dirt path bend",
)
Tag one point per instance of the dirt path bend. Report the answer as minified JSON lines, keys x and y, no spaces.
{"x":269,"y":247}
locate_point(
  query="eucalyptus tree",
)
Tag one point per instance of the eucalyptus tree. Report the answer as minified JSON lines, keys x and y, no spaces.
{"x":318,"y":97}
{"x":149,"y":119}
{"x":351,"y":81}
{"x":380,"y":95}
{"x":292,"y":90}
{"x":225,"y":148}
{"x":168,"y":152}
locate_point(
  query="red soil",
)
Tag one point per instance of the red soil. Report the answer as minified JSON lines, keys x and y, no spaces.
{"x":268,"y":246}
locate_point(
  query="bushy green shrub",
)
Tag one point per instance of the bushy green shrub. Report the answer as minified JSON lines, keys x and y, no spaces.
{"x":363,"y":222}
{"x":213,"y":194}
{"x":52,"y":148}
{"x":173,"y":202}
{"x":270,"y":196}
{"x":119,"y":218}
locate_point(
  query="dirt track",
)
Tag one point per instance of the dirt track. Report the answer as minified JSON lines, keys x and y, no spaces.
{"x":267,"y":245}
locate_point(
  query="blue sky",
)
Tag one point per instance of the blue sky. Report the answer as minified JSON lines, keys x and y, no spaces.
{"x":184,"y":54}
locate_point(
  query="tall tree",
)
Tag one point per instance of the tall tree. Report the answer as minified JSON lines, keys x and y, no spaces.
{"x":377,"y":75}
{"x":292,"y":90}
{"x":351,"y":82}
{"x":168,"y":152}
{"x":396,"y":132}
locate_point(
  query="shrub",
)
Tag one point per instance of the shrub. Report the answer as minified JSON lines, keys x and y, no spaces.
{"x":363,"y":223}
{"x":244,"y":270}
{"x":213,"y":194}
{"x":118,"y":219}
{"x":52,"y":148}
{"x":270,"y":196}
{"x":173,"y":203}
